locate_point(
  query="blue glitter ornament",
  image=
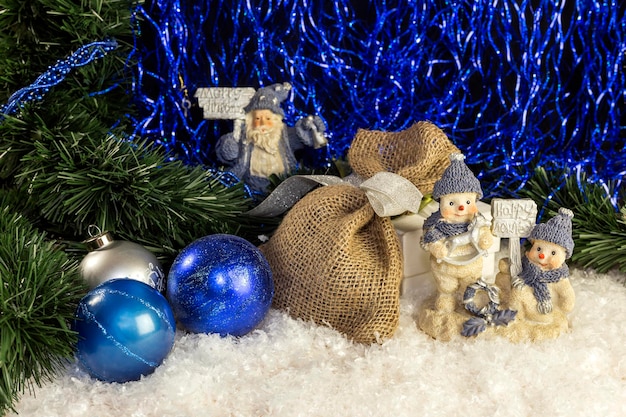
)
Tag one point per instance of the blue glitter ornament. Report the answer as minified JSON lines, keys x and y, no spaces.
{"x":126,"y":329}
{"x":220,"y":284}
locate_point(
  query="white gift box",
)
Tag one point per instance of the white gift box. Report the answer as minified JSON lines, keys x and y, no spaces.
{"x":417,"y":260}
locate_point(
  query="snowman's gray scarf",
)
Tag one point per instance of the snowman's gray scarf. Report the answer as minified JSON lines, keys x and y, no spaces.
{"x":436,"y":229}
{"x":537,"y":279}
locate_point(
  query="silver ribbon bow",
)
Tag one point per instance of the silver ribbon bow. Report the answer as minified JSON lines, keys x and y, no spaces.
{"x":388,"y":193}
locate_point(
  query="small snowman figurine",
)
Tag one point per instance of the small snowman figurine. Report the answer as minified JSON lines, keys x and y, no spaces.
{"x":542,"y":292}
{"x":457,"y":236}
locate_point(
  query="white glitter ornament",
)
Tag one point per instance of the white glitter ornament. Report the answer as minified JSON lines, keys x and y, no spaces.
{"x":109,"y":259}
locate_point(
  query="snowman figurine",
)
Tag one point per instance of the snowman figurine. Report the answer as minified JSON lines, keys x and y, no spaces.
{"x":542,"y":292}
{"x":457,"y":236}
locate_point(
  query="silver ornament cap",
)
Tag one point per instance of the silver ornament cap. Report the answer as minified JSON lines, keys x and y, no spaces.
{"x":99,"y":241}
{"x":110,"y":259}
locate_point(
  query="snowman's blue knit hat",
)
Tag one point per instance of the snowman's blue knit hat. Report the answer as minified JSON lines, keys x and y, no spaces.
{"x":269,"y":98}
{"x":457,"y":178}
{"x":557,"y":230}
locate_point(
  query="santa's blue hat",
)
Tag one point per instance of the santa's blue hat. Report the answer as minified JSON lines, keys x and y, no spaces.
{"x":269,"y":98}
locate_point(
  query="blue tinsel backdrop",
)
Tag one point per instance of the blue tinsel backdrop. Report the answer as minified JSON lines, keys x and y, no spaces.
{"x":514,"y":84}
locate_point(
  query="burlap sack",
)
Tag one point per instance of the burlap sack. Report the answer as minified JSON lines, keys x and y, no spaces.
{"x":337,"y":263}
{"x":419,"y":154}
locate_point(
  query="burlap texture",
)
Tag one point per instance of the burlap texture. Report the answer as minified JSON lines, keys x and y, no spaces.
{"x":419,"y":154}
{"x":337,"y":263}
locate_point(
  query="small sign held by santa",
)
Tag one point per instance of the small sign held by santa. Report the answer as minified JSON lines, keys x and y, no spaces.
{"x":224,"y":102}
{"x":261,"y":144}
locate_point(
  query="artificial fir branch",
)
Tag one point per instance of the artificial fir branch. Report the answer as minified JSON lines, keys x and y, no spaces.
{"x":36,"y":33}
{"x":39,"y":291}
{"x":130,"y":187}
{"x":78,"y":170}
{"x":599,"y":229}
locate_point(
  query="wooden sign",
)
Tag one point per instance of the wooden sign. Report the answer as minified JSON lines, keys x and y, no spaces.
{"x":513,"y":218}
{"x":224,"y":102}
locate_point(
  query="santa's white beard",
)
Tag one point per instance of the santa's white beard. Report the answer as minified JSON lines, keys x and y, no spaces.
{"x":265,"y":158}
{"x":264,"y":138}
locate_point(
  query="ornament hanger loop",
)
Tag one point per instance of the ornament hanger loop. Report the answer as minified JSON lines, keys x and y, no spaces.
{"x":93,"y":230}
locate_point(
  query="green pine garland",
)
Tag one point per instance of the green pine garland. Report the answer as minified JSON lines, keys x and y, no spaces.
{"x":599,"y":230}
{"x":34,"y":34}
{"x":73,"y":167}
{"x":78,"y":174}
{"x":39,"y":291}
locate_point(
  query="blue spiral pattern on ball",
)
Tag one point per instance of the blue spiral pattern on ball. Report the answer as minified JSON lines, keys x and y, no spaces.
{"x":220,"y":284}
{"x":126,"y":329}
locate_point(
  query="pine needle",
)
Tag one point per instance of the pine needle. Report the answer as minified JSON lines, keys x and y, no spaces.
{"x":39,"y":291}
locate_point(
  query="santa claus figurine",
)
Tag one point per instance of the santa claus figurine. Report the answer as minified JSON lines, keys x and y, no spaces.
{"x":266,"y":146}
{"x":542,"y":292}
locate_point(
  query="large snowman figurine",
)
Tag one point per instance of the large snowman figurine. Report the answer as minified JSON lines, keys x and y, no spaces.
{"x":457,"y":236}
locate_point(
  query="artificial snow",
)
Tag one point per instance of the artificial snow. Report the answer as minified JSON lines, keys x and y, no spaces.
{"x":289,"y":367}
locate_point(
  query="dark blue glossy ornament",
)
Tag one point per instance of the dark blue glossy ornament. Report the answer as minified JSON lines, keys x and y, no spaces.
{"x":125,"y":329}
{"x":220,"y":284}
